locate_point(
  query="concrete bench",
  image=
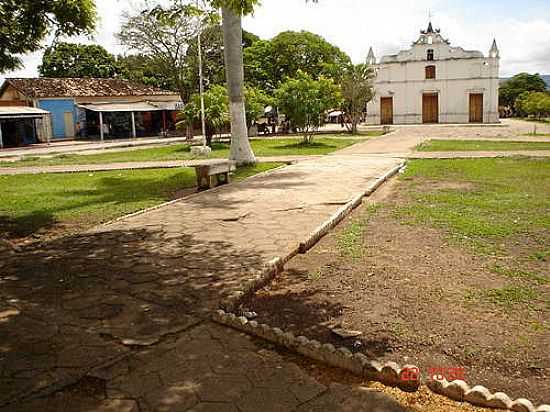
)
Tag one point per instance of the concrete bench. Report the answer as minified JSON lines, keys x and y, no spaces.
{"x":213,"y":174}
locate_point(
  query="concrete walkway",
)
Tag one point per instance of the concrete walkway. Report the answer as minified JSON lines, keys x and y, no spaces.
{"x":165,"y":164}
{"x":117,"y":319}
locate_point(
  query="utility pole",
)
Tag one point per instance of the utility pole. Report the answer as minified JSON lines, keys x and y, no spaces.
{"x":201,"y":80}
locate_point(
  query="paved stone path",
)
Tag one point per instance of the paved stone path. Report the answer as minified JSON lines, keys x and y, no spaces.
{"x":164,"y":164}
{"x":405,"y":138}
{"x":117,"y":318}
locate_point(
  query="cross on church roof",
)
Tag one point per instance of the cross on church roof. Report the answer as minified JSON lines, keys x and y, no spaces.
{"x":430,"y":29}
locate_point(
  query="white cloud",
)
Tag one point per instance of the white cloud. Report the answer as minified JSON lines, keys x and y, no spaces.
{"x":355,"y":25}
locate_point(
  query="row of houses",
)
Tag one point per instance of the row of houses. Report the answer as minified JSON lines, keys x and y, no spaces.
{"x":51,"y":109}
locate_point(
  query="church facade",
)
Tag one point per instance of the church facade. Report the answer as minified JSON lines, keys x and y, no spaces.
{"x":434,"y":82}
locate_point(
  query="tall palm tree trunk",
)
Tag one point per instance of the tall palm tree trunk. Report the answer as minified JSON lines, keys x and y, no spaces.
{"x":241,"y":151}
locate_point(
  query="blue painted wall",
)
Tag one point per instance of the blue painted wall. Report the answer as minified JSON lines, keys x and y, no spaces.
{"x":58,"y":107}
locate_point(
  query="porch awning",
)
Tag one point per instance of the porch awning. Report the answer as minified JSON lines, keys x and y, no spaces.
{"x":21,"y":112}
{"x":121,"y":107}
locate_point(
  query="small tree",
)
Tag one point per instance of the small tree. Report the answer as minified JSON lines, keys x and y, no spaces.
{"x":357,"y":91}
{"x":534,"y":104}
{"x":511,"y":89}
{"x":255,"y":103}
{"x":216,"y":108}
{"x":305,"y":101}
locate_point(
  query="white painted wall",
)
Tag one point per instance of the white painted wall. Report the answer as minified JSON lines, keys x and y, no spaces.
{"x":458,"y":74}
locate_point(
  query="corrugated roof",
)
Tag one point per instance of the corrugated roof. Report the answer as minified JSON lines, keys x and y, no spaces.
{"x":9,"y":111}
{"x":83,"y":87}
{"x":121,"y":107}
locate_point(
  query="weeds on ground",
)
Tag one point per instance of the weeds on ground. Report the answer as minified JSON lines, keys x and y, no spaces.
{"x":507,"y":296}
{"x":350,"y":241}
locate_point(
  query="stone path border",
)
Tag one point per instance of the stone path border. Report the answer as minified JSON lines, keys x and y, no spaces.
{"x":391,"y":374}
{"x":275,"y":266}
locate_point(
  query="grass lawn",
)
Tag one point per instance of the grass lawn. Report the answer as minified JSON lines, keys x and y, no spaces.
{"x":40,"y":203}
{"x":478,"y":145}
{"x":261,"y":147}
{"x":493,"y":199}
{"x":450,"y":266}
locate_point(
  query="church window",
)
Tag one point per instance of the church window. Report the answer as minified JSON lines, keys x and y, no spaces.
{"x":430,"y":72}
{"x":430,"y":55}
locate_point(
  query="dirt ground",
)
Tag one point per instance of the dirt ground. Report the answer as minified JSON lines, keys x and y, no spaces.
{"x":407,"y":293}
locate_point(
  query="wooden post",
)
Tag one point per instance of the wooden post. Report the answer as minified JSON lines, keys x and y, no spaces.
{"x":101,"y":126}
{"x":1,"y":137}
{"x":134,"y":135}
{"x":164,"y":131}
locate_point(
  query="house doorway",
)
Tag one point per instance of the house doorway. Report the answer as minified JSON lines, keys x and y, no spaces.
{"x":476,"y":108}
{"x":386,"y":110}
{"x":430,"y":108}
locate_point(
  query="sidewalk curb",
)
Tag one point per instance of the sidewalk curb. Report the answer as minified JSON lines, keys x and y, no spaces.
{"x":272,"y":268}
{"x":344,"y":211}
{"x":390,"y":374}
{"x":407,"y":378}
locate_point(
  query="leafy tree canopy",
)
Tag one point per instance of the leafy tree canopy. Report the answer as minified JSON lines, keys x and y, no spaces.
{"x":520,"y":83}
{"x":78,"y":60}
{"x":535,"y":104}
{"x":164,"y":34}
{"x":24,"y":24}
{"x":216,"y":110}
{"x":268,"y":62}
{"x":216,"y":105}
{"x":305,"y":100}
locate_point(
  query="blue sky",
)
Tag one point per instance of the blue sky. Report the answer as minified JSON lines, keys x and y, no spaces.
{"x":522,"y":28}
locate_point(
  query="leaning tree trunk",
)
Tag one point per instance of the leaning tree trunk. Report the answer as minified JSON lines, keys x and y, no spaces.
{"x":241,"y":151}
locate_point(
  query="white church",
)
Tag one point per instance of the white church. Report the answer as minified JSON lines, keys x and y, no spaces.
{"x":433,"y":82}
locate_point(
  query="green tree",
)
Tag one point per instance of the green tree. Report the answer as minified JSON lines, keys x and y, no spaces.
{"x":520,"y":83}
{"x":256,"y":100}
{"x":357,"y":90}
{"x":216,"y":111}
{"x":232,"y":12}
{"x":78,"y":60}
{"x":268,"y":62}
{"x":305,"y":101}
{"x":534,"y":104}
{"x":24,"y":24}
{"x":144,"y":69}
{"x":164,"y":34}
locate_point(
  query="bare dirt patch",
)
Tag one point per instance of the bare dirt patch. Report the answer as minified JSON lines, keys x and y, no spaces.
{"x":419,"y":298}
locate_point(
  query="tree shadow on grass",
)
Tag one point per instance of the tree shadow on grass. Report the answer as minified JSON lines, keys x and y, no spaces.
{"x":306,"y":145}
{"x":110,"y":198}
{"x":26,"y":225}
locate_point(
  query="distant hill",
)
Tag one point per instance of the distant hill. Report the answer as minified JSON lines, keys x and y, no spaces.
{"x":545,"y":77}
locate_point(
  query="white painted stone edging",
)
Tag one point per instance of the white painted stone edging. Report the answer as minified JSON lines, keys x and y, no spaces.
{"x":389,"y":373}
